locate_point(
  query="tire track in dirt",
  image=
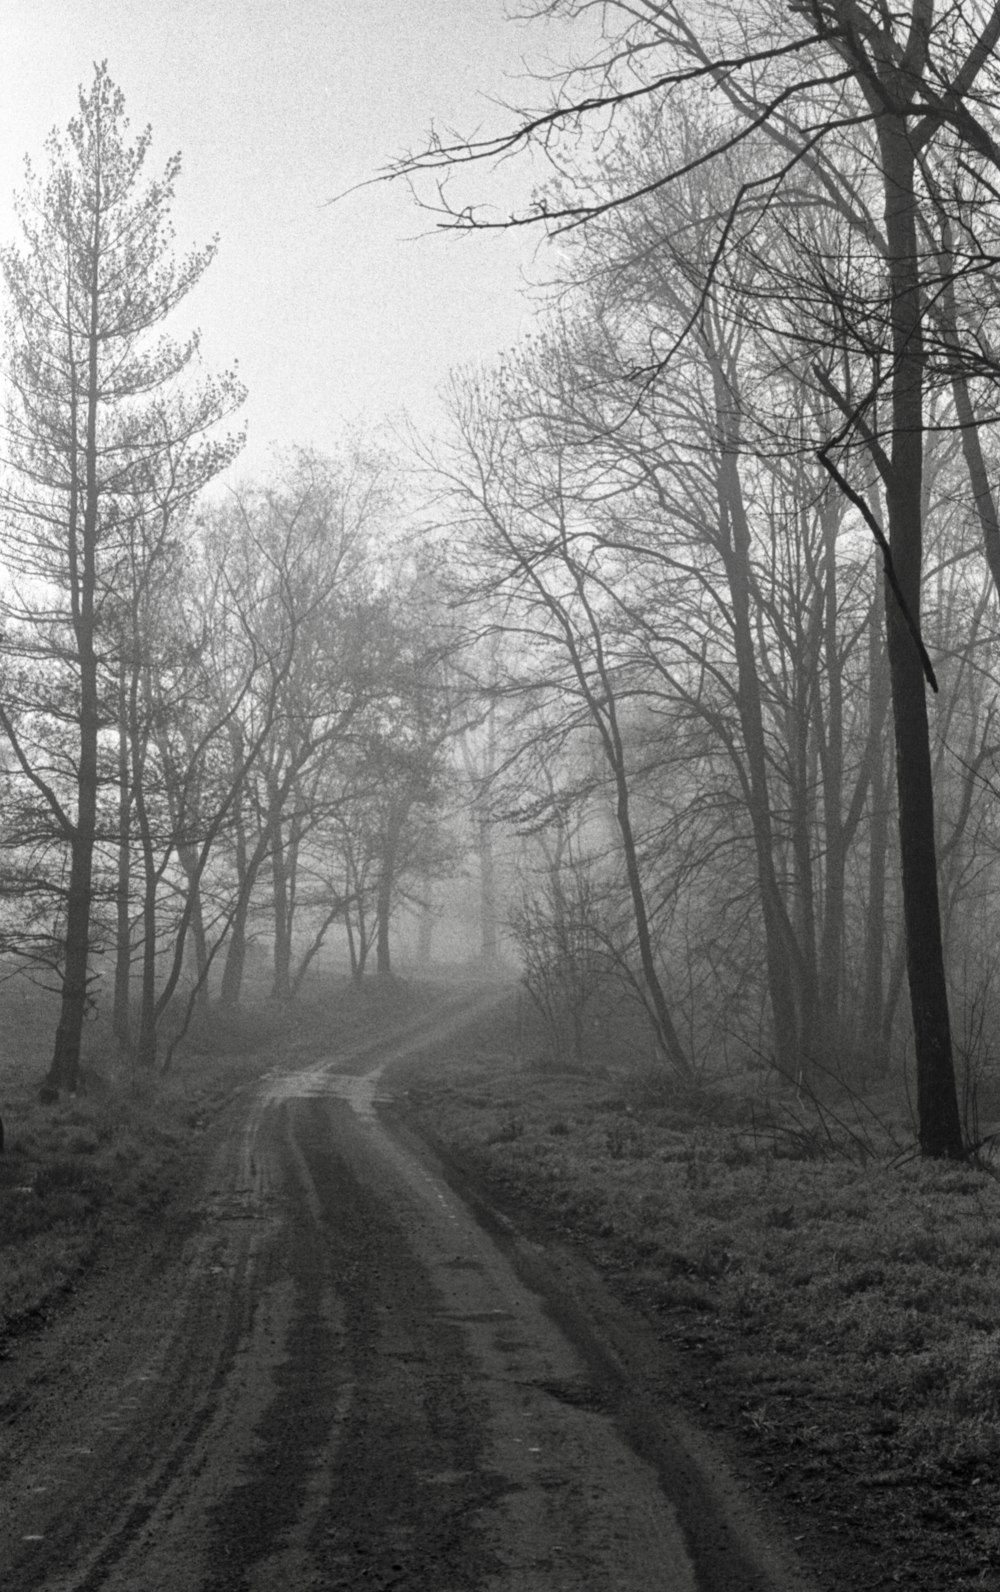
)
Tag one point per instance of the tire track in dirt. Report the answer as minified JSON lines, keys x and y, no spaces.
{"x":136,"y":1419}
{"x":154,"y":1380}
{"x":345,"y":1381}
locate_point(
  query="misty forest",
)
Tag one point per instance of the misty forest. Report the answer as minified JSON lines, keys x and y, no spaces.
{"x":499,"y":915}
{"x":665,"y":672}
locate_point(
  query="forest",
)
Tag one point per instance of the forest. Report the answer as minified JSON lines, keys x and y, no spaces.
{"x":676,"y":645}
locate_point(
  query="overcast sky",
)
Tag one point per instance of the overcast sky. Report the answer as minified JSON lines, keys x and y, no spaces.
{"x":336,"y":313}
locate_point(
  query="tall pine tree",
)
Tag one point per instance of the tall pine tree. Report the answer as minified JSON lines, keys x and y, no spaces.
{"x":107,"y":428}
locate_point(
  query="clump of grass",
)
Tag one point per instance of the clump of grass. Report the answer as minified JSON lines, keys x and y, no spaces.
{"x":74,"y":1172}
{"x":69,"y":1166}
{"x":38,"y":1270}
{"x":507,"y":1130}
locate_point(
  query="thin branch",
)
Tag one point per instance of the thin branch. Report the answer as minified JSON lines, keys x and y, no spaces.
{"x":887,"y":564}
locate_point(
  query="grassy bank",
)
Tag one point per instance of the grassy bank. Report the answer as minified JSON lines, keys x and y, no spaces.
{"x":89,"y":1171}
{"x":832,"y":1305}
{"x":68,"y":1175}
{"x":124,"y":1153}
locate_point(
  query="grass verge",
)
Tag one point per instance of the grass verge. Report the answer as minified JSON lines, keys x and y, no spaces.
{"x":836,"y":1317}
{"x":125,"y":1153}
{"x":77,"y":1176}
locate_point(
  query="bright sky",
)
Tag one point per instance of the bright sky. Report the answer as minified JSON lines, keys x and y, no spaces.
{"x":336,"y":313}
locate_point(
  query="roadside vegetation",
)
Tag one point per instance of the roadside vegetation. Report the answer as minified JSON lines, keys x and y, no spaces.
{"x":126,"y":1156}
{"x":97,"y":1169}
{"x":827,"y":1299}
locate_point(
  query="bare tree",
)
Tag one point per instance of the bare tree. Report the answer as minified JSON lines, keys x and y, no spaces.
{"x":302,"y":545}
{"x":828,"y":86}
{"x":529,"y":549}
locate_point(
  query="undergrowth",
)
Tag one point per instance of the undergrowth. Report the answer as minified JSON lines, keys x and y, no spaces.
{"x":116,"y":1156}
{"x":837,"y":1301}
{"x":125,"y":1149}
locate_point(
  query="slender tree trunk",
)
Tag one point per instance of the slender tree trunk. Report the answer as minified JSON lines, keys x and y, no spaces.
{"x":669,"y":1038}
{"x":281,"y":987}
{"x":231,"y":986}
{"x":192,"y":914}
{"x":284,"y":879}
{"x":383,"y":900}
{"x":145,"y":1049}
{"x":487,"y":891}
{"x":248,"y":865}
{"x":188,"y":859}
{"x":146,"y":1037}
{"x":359,"y":944}
{"x":236,"y":954}
{"x":831,"y":952}
{"x":873,"y":1049}
{"x":937,"y":1100}
{"x":122,"y":1010}
{"x":604,"y":714}
{"x":893,"y":995}
{"x":314,"y":949}
{"x":82,"y":552}
{"x":802,"y":823}
{"x":599,"y":696}
{"x":780,"y":945}
{"x":425,"y":924}
{"x":484,"y":839}
{"x":64,"y":1071}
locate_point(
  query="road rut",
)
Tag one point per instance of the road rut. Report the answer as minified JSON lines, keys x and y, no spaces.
{"x":343,"y":1379}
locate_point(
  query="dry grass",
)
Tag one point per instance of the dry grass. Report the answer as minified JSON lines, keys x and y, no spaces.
{"x":837,"y":1305}
{"x":834,"y":1305}
{"x":76,"y":1174}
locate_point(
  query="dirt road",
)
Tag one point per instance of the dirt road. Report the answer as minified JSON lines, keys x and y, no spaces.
{"x":339,"y":1377}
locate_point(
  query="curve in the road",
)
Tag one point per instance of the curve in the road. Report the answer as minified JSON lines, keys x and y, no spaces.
{"x":347,"y":1380}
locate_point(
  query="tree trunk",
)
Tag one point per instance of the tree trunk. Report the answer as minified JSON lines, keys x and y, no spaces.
{"x":82,"y":551}
{"x":871,"y":1043}
{"x":121,"y":1022}
{"x":312,"y":952}
{"x":937,"y":1099}
{"x":65,"y":1067}
{"x":188,"y":858}
{"x":800,"y":738}
{"x":655,"y":998}
{"x":358,"y":945}
{"x":487,"y":891}
{"x":603,"y":710}
{"x":489,"y":934}
{"x":281,"y":986}
{"x":145,"y":1049}
{"x":284,"y":879}
{"x":780,"y":945}
{"x":383,"y":903}
{"x":145,"y":1046}
{"x":231,"y":986}
{"x":835,"y":837}
{"x":425,"y":925}
{"x":236,"y":953}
